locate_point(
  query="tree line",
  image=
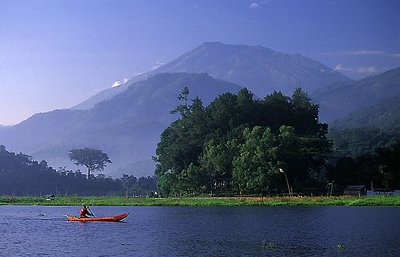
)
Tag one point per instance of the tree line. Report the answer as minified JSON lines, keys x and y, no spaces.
{"x":22,"y":176}
{"x":235,"y":145}
{"x":379,"y":169}
{"x":365,"y":156}
{"x":242,"y":145}
{"x":355,"y":142}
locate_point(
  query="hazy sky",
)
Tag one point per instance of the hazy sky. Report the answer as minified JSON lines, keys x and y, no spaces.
{"x":55,"y":54}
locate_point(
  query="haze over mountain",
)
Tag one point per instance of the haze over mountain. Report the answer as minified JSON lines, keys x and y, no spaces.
{"x":258,"y":68}
{"x":385,"y":115}
{"x":341,"y":99}
{"x":127,"y":126}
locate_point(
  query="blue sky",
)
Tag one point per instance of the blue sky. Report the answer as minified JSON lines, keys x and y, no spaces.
{"x":55,"y":54}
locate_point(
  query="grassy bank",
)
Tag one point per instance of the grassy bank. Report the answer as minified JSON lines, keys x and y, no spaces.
{"x":379,"y":200}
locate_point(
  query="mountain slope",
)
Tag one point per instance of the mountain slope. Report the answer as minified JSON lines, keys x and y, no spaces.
{"x":260,"y":69}
{"x":341,"y":99}
{"x":99,"y":97}
{"x":385,"y":114}
{"x":127,"y":126}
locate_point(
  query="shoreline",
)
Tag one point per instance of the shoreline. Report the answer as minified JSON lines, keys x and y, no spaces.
{"x":376,"y":200}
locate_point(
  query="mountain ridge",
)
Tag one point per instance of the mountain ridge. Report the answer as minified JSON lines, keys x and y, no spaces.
{"x":127,"y":126}
{"x":384,"y":115}
{"x":260,"y":69}
{"x":341,"y":99}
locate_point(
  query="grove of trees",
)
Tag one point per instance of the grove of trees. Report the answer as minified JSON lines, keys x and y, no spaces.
{"x":238,"y":144}
{"x":360,"y":141}
{"x":378,"y":169}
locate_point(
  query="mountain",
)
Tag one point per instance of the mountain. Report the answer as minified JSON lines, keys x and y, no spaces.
{"x":341,"y":99}
{"x":127,"y":126}
{"x":126,"y":122}
{"x":99,"y":97}
{"x":385,"y":115}
{"x":260,"y":69}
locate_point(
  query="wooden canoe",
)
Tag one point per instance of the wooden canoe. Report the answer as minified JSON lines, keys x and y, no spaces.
{"x":108,"y":218}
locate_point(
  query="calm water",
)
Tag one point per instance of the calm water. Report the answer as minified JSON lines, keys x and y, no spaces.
{"x":202,"y":231}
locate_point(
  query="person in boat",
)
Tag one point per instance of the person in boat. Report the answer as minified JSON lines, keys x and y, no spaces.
{"x":85,"y":213}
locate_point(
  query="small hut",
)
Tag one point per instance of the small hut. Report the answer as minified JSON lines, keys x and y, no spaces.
{"x":355,"y":190}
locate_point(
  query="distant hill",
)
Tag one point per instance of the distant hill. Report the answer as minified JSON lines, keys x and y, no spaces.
{"x":385,"y":115}
{"x":101,"y":96}
{"x":341,"y":99}
{"x":260,"y":69}
{"x":127,"y":126}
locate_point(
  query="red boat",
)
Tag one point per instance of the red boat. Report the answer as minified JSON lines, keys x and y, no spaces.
{"x":108,"y":218}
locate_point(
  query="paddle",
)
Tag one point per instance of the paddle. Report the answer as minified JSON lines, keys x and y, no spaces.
{"x":91,"y":212}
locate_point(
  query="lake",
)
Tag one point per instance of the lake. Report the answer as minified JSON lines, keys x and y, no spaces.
{"x":202,"y":231}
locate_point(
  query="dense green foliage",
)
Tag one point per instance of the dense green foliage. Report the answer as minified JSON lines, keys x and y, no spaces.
{"x":237,"y":144}
{"x":361,"y":141}
{"x":19,"y":175}
{"x":367,"y":141}
{"x":380,"y":169}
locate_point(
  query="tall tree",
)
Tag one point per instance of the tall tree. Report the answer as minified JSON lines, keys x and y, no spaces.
{"x":223,"y":114}
{"x":92,"y":159}
{"x":274,"y":111}
{"x":254,"y":168}
{"x":182,"y":109}
{"x":305,"y":113}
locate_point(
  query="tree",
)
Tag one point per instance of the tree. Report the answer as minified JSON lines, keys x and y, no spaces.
{"x":223,"y":114}
{"x":274,"y":111}
{"x":245,"y":107}
{"x":181,"y":144}
{"x":254,"y":169}
{"x":191,"y":180}
{"x":302,"y":156}
{"x":389,"y":162}
{"x":345,"y":172}
{"x":92,"y":159}
{"x":217,"y":160}
{"x":182,"y":109}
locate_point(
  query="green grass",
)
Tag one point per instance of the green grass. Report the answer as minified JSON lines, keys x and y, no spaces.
{"x":378,"y":200}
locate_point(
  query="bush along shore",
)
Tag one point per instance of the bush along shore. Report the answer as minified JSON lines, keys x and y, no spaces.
{"x":377,"y":200}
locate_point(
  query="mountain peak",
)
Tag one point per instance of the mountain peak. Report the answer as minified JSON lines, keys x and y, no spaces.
{"x":230,"y":47}
{"x":260,"y":69}
{"x":212,"y":43}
